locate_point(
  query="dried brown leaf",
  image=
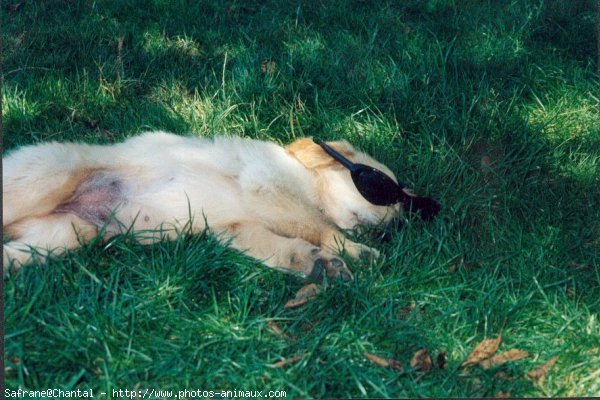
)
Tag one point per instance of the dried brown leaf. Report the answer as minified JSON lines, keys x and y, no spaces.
{"x":485,"y":349}
{"x":311,"y":290}
{"x":422,"y":360}
{"x":288,"y":361}
{"x":303,"y":296}
{"x":506,"y":356}
{"x":384,"y":362}
{"x":377,"y":360}
{"x":539,"y":373}
{"x":502,"y":395}
{"x":295,"y":303}
{"x":274,"y":326}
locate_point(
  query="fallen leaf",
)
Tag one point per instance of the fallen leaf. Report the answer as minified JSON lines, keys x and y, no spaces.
{"x":485,"y":349}
{"x":277,"y":330}
{"x":422,"y":360}
{"x":288,"y":361}
{"x":303,"y":296}
{"x":379,"y":361}
{"x":295,"y":303}
{"x":384,"y":362}
{"x":502,"y":395}
{"x":506,"y":356}
{"x":539,"y":373}
{"x":441,"y":360}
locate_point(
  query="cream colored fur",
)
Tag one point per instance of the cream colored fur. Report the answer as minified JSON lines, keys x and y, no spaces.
{"x":284,"y":206}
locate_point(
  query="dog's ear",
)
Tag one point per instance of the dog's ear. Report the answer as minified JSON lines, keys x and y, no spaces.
{"x":311,"y":155}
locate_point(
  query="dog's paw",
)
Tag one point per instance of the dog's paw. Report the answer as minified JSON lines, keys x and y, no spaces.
{"x":329,"y":266}
{"x":317,"y":264}
{"x":360,"y":251}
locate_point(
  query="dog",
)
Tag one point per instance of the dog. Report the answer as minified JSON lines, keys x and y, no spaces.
{"x":287,"y":207}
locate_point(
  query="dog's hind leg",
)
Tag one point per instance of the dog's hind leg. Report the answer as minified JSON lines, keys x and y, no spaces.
{"x":291,"y":254}
{"x":37,"y":237}
{"x":38,"y":178}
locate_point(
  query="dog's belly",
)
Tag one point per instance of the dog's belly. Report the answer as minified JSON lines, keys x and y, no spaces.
{"x":184,"y":180}
{"x":143,"y":199}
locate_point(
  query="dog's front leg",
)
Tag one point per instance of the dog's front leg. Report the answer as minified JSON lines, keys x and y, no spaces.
{"x":335,"y":240}
{"x":291,"y":254}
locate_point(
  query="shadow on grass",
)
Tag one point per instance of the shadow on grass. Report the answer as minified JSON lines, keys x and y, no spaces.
{"x":395,"y":58}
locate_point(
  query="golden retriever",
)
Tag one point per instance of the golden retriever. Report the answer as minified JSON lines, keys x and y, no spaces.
{"x":284,"y":206}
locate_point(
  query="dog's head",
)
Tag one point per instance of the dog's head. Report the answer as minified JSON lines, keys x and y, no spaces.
{"x":338,"y":195}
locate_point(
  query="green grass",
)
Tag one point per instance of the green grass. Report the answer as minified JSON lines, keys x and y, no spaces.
{"x":490,"y":107}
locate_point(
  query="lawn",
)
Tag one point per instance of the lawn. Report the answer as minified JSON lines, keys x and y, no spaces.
{"x":491,"y":107}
